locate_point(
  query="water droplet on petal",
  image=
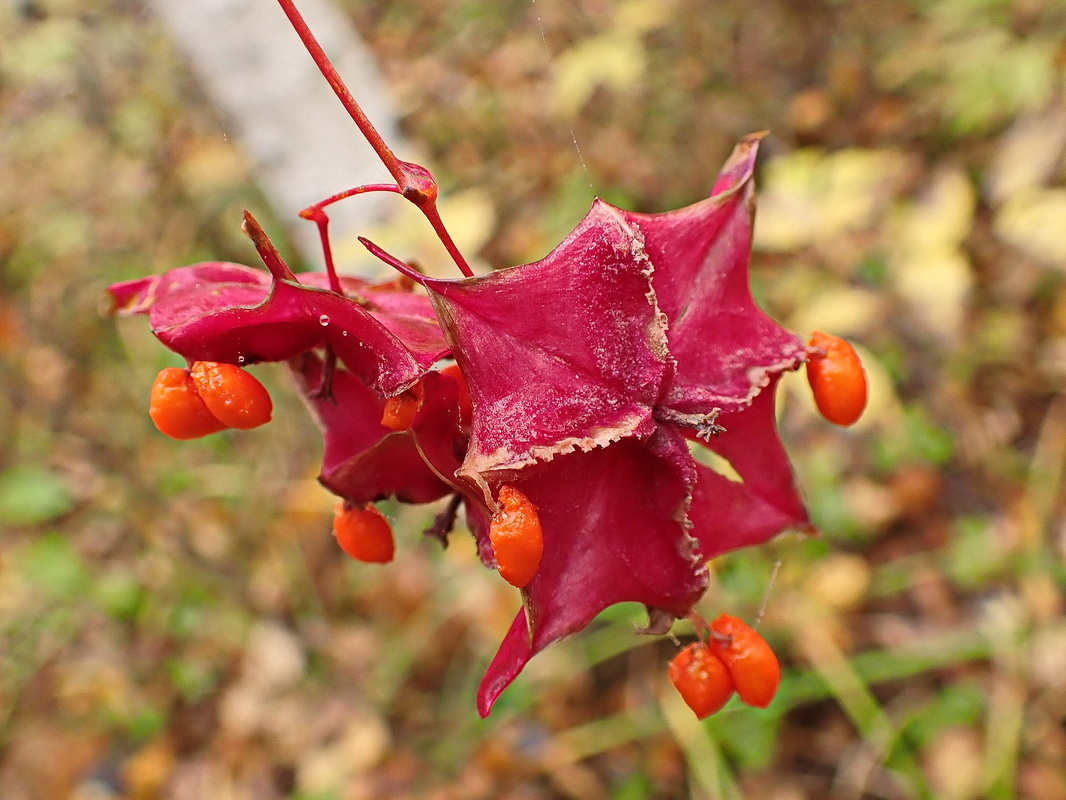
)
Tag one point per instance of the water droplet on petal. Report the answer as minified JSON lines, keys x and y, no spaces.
{"x":240,"y":359}
{"x":344,"y":333}
{"x":323,"y":320}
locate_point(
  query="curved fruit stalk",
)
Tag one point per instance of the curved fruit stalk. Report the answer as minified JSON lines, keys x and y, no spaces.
{"x":702,"y":680}
{"x":233,"y":396}
{"x":837,"y":379}
{"x":363,"y":533}
{"x":178,"y":410}
{"x":517,"y":537}
{"x":755,"y":669}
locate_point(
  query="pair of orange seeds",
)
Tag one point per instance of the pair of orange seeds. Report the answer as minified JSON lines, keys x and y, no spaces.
{"x":207,"y":398}
{"x":735,"y":658}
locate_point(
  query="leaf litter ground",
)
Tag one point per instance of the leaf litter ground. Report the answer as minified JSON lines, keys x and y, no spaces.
{"x":176,"y":617}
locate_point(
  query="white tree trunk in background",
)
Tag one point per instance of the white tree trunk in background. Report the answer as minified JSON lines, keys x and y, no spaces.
{"x":301,"y":143}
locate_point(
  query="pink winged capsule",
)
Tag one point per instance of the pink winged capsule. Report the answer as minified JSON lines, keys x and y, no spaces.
{"x":585,"y":370}
{"x":362,"y":460}
{"x":567,"y":353}
{"x":227,"y":312}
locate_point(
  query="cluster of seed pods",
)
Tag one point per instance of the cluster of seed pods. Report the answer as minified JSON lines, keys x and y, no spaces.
{"x":655,"y":346}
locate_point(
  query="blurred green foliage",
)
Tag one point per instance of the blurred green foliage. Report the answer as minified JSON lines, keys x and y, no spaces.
{"x":32,"y":496}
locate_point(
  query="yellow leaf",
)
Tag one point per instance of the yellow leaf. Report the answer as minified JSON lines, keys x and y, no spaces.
{"x":1035,"y":223}
{"x":614,"y":60}
{"x":841,"y":310}
{"x":936,"y":283}
{"x":943,"y":215}
{"x":810,"y":197}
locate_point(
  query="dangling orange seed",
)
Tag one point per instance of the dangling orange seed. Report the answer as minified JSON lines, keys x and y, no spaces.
{"x":400,"y":410}
{"x":516,"y":536}
{"x":177,"y":409}
{"x":233,"y":395}
{"x":363,"y":533}
{"x":755,"y":669}
{"x":701,"y":679}
{"x":837,"y":379}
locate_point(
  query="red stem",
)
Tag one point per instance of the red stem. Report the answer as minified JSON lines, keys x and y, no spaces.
{"x":319,"y":217}
{"x":325,"y":381}
{"x":414,"y":181}
{"x":316,"y":214}
{"x":398,"y":265}
{"x":366,"y":127}
{"x":278,"y":268}
{"x":309,"y":212}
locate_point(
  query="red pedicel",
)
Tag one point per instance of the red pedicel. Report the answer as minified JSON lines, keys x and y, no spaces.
{"x":837,"y":379}
{"x":177,"y":409}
